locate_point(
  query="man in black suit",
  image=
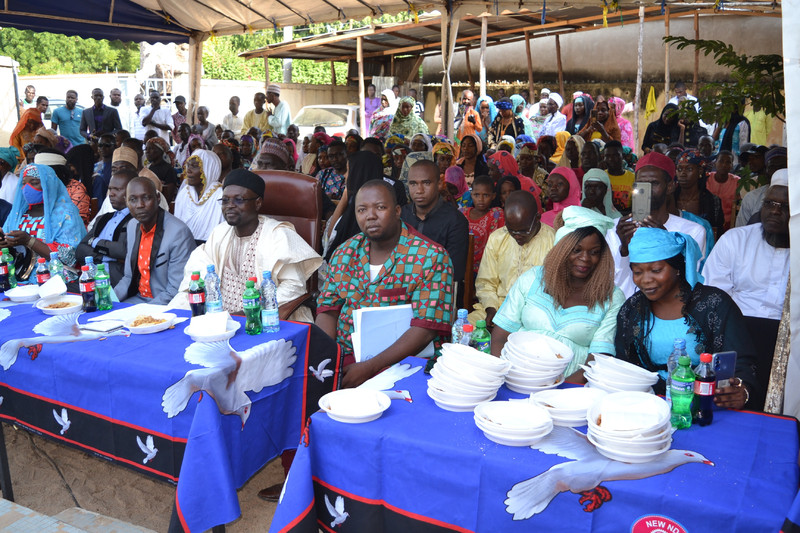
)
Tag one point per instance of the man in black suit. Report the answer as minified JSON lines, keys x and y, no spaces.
{"x":107,"y":241}
{"x":99,"y":118}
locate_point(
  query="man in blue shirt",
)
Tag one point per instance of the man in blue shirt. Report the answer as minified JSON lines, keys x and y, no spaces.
{"x":67,"y":120}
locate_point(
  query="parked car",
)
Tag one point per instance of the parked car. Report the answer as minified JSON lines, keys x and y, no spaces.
{"x":53,"y":104}
{"x":337,"y":119}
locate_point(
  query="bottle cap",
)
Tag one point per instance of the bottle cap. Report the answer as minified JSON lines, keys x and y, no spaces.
{"x":195,"y":276}
{"x":462,"y":313}
{"x":481,"y":324}
{"x":468,"y":328}
{"x":85,"y":268}
{"x":679,"y":343}
{"x":253,"y":279}
{"x":40,"y":260}
{"x":705,"y":357}
{"x":266,"y":274}
{"x":101,"y":267}
{"x":88,"y":259}
{"x":210,"y":268}
{"x":684,"y":360}
{"x":53,"y":255}
{"x":250,"y":284}
{"x":4,"y":250}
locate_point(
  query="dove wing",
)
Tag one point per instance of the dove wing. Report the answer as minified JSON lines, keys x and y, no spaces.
{"x":386,"y":379}
{"x":331,"y":510}
{"x":150,"y":443}
{"x":142,"y":446}
{"x":265,"y":365}
{"x":209,"y":354}
{"x":339,"y":505}
{"x":58,"y":418}
{"x":60,"y":325}
{"x":64,"y":415}
{"x":567,"y":443}
{"x":320,"y":367}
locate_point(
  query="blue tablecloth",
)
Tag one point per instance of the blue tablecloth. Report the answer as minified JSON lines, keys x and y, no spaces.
{"x":112,"y":392}
{"x":420,"y":468}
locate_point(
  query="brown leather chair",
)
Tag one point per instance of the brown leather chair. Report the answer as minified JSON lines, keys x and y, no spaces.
{"x":295,"y":198}
{"x":94,"y":207}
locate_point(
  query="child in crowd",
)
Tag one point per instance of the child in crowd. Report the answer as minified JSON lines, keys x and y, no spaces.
{"x":723,"y":184}
{"x":483,"y":218}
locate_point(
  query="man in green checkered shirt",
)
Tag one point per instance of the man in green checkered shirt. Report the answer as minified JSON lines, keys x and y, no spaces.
{"x":389,"y":263}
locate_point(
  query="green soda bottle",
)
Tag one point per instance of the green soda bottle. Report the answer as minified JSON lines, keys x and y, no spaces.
{"x":9,"y":261}
{"x":682,"y":392}
{"x":481,"y":338}
{"x":102,"y":289}
{"x":252,"y":308}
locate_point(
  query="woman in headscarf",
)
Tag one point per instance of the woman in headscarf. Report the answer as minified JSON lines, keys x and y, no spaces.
{"x":581,"y":112}
{"x":445,"y":155}
{"x":519,"y":111}
{"x":564,"y":192}
{"x":405,"y":121}
{"x":572,"y":155}
{"x":505,"y":123}
{"x":353,"y":143}
{"x":420,"y":143}
{"x":383,"y":118}
{"x":555,"y":120}
{"x":505,"y":186}
{"x":691,"y":193}
{"x":528,"y":163}
{"x":162,"y":164}
{"x":488,"y":112}
{"x":597,"y":194}
{"x":561,"y":142}
{"x":571,"y":297}
{"x":196,"y":142}
{"x":310,"y":165}
{"x":662,"y":130}
{"x":43,"y":219}
{"x":292,"y":148}
{"x":604,"y":125}
{"x":590,"y":156}
{"x":503,"y":164}
{"x":625,"y":128}
{"x":248,"y":148}
{"x":197,"y":202}
{"x":457,"y":187}
{"x":734,"y":134}
{"x":46,"y":137}
{"x":471,"y":158}
{"x":77,"y":192}
{"x":25,"y":130}
{"x":9,"y":158}
{"x":538,"y":119}
{"x":671,"y":303}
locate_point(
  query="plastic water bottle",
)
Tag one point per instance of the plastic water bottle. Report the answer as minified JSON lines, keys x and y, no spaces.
{"x":458,"y":326}
{"x":705,"y":385}
{"x":87,"y":285}
{"x":682,"y":385}
{"x":197,"y":295}
{"x":55,"y":266}
{"x":42,"y":272}
{"x":89,"y":261}
{"x":678,"y":349}
{"x":252,"y":308}
{"x":5,"y":273}
{"x":481,"y":338}
{"x":102,"y":289}
{"x":213,"y":293}
{"x":9,"y":261}
{"x":466,"y":337}
{"x":270,"y":320}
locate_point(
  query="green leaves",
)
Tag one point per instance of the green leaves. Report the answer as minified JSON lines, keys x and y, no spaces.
{"x":758,"y":79}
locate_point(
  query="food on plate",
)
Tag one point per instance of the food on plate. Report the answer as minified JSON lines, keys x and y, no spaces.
{"x":146,"y":320}
{"x":60,"y":305}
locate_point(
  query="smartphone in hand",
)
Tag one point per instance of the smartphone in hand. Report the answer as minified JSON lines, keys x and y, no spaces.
{"x":640,"y":204}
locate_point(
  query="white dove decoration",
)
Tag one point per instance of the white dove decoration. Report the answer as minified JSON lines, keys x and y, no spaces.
{"x":337,"y":513}
{"x":321,"y":372}
{"x":386,"y":379}
{"x":587,"y":470}
{"x":148,"y":448}
{"x":56,"y":329}
{"x":4,"y":313}
{"x":228,"y":374}
{"x":62,"y":420}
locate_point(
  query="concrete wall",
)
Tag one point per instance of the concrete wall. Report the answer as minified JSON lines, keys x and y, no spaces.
{"x":8,"y":112}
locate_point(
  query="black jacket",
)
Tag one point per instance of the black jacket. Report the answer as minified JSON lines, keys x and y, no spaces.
{"x":111,"y":122}
{"x":115,"y":248}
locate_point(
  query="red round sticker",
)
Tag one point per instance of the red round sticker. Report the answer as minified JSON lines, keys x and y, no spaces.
{"x":656,"y":524}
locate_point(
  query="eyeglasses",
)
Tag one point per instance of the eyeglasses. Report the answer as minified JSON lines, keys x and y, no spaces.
{"x":238,"y":202}
{"x":780,"y":206}
{"x":105,"y":145}
{"x":514,"y":233}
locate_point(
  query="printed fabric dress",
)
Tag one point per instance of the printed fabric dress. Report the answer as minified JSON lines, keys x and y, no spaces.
{"x":482,"y":228}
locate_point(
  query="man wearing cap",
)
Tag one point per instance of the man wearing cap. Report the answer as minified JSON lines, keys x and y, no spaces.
{"x":107,"y":240}
{"x":178,"y":118}
{"x":272,"y":155}
{"x":751,"y":263}
{"x":776,"y":159}
{"x":658,"y":170}
{"x":279,"y":119}
{"x":258,"y":117}
{"x":247,"y":244}
{"x":158,"y":247}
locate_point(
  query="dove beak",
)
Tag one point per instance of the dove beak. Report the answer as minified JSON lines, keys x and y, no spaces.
{"x":709,"y":463}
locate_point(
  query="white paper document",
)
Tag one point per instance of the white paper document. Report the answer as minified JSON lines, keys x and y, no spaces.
{"x":377,"y":328}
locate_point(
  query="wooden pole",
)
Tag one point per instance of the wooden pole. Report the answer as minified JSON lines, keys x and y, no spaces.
{"x":469,"y":71}
{"x":484,"y":28}
{"x":361,"y":88}
{"x":560,"y":70}
{"x":696,"y":53}
{"x":666,"y":55}
{"x":266,"y":73}
{"x":333,"y":83}
{"x":195,"y":72}
{"x":637,"y":100}
{"x":530,"y":66}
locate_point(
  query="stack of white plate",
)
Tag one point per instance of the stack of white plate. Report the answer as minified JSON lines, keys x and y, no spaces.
{"x":354,"y":406}
{"x":513,"y":423}
{"x":632,"y":427}
{"x":568,"y":407}
{"x":463,"y":377}
{"x":537,"y":361}
{"x":615,"y":375}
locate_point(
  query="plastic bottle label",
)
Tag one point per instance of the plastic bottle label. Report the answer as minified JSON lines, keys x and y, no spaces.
{"x":482,"y":346}
{"x":214,"y":307}
{"x":41,"y":278}
{"x":101,"y":283}
{"x":682,"y":387}
{"x":251,"y":302}
{"x":270,"y":317}
{"x":705,"y":388}
{"x":3,"y":269}
{"x":87,"y":287}
{"x":196,"y":297}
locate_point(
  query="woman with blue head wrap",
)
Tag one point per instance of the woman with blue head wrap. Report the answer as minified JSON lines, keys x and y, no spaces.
{"x":488,"y":111}
{"x":519,"y":111}
{"x":672,"y":303}
{"x":43,"y":218}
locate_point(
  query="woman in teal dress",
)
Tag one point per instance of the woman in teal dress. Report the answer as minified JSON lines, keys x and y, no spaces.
{"x":571,"y":297}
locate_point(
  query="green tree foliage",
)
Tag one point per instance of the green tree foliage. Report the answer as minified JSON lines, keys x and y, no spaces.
{"x":50,"y":53}
{"x":757,"y":78}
